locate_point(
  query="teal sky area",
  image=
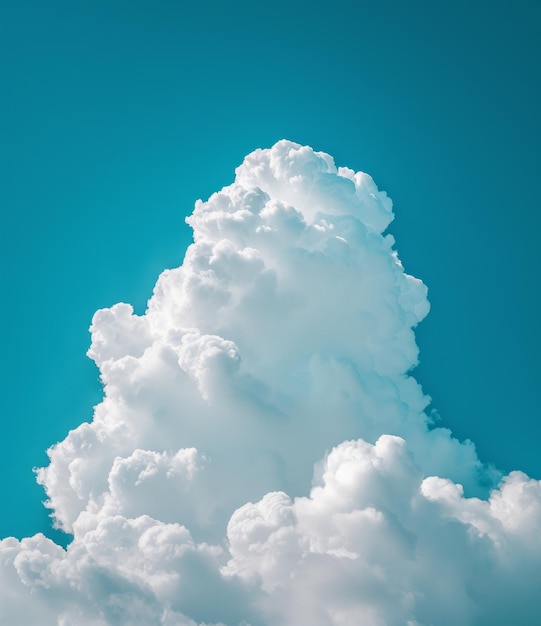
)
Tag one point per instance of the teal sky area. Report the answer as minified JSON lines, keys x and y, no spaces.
{"x":117,"y":116}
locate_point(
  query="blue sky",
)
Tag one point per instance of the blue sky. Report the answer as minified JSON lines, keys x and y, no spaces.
{"x":118,"y":116}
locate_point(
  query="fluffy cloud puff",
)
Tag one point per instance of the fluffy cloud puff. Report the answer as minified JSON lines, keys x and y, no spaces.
{"x":262,"y":455}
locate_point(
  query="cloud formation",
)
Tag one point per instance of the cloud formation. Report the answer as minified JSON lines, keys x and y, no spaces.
{"x":262,"y":454}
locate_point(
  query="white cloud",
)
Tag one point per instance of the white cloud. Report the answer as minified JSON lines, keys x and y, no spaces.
{"x":376,"y":544}
{"x":284,"y":340}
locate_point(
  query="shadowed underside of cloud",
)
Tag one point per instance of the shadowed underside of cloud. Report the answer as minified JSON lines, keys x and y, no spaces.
{"x":262,"y":455}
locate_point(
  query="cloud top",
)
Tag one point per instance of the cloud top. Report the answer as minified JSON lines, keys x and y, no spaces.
{"x":262,"y":454}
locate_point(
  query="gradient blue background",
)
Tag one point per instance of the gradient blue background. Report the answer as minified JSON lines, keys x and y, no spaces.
{"x":116,"y":116}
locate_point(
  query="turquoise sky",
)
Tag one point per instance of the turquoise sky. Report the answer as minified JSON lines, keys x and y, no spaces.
{"x":117,"y":116}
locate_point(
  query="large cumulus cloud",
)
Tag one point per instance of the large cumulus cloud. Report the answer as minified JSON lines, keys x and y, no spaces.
{"x":262,"y":455}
